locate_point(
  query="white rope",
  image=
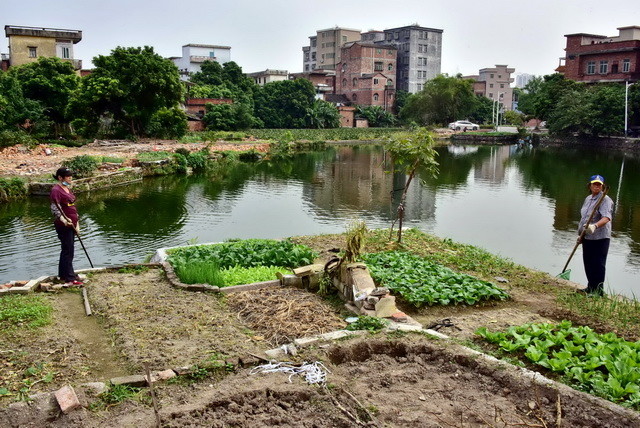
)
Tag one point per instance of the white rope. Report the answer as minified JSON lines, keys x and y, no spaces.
{"x":313,"y":372}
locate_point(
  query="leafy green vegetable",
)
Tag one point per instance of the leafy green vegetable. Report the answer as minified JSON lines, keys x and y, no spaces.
{"x":368,"y":323}
{"x":602,"y":364}
{"x":421,"y":282}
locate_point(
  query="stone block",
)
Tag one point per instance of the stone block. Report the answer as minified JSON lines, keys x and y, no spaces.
{"x":184,"y":370}
{"x":372,"y":300}
{"x":386,"y":307}
{"x":93,"y":388}
{"x":44,"y":402}
{"x":379,"y":291}
{"x":275,"y":353}
{"x":133,"y":380}
{"x":305,"y":341}
{"x":67,"y":399}
{"x":250,"y":361}
{"x":308,"y":270}
{"x":334,"y":335}
{"x":250,"y":287}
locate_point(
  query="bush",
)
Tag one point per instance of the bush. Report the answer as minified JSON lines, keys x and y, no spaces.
{"x":198,"y":160}
{"x":11,"y":138}
{"x":82,"y":166}
{"x":168,"y":123}
{"x":12,"y":188}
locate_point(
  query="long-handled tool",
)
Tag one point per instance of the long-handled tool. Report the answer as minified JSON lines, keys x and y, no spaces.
{"x":75,"y":229}
{"x":567,"y":273}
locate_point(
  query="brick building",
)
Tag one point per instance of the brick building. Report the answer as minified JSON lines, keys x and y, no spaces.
{"x":366,"y":74}
{"x":593,"y":58}
{"x":324,"y":81}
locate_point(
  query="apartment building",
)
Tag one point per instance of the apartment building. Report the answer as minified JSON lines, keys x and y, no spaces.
{"x":495,"y":84}
{"x":419,"y":55}
{"x":324,"y":48}
{"x":27,"y":44}
{"x":261,"y":78}
{"x":324,"y":81}
{"x":193,"y":55}
{"x":593,"y":58}
{"x":366,"y":74}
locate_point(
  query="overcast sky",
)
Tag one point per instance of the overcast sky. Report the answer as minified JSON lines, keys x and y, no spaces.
{"x":528,"y":36}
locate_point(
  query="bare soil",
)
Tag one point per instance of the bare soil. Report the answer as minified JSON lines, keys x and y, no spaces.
{"x":385,"y":380}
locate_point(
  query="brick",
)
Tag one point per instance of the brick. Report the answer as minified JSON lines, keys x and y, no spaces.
{"x":67,"y":399}
{"x":134,"y":380}
{"x":399,"y":317}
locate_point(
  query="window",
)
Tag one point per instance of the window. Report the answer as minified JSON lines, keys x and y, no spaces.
{"x":344,"y":67}
{"x":375,"y":97}
{"x":377,"y":66}
{"x":419,"y":86}
{"x":499,"y":76}
{"x":626,"y":65}
{"x":306,"y":67}
{"x":396,"y":35}
{"x":502,"y":85}
{"x":355,"y":82}
{"x":306,"y":56}
{"x":389,"y":82}
{"x":354,"y":97}
{"x":379,"y":51}
{"x":212,"y":54}
{"x":33,"y":52}
{"x":65,"y":52}
{"x":389,"y":51}
{"x":491,"y":85}
{"x":344,"y":83}
{"x":604,"y":67}
{"x":313,"y":66}
{"x":331,"y":55}
{"x":614,"y":67}
{"x":313,"y":56}
{"x":390,"y":67}
{"x":591,"y":67}
{"x":314,"y":43}
{"x":344,"y":39}
{"x":490,"y":94}
{"x":375,"y":81}
{"x":491,"y":76}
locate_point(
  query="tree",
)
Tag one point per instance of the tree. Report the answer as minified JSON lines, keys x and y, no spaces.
{"x":284,"y":104}
{"x":482,"y":110}
{"x":543,"y":95}
{"x":18,"y":112}
{"x":514,"y":118}
{"x":323,"y":115}
{"x":412,"y":151}
{"x":129,"y":86}
{"x":228,"y":117}
{"x":443,"y":100}
{"x":51,"y":82}
{"x":527,"y":95}
{"x":376,"y":116}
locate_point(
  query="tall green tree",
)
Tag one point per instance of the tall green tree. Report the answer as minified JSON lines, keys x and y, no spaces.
{"x":443,"y":100}
{"x":18,"y":112}
{"x":128,"y":87}
{"x":285,"y":104}
{"x":323,"y":115}
{"x":51,"y":82}
{"x":482,"y":110}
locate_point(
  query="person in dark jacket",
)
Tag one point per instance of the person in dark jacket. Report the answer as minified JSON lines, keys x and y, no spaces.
{"x":595,"y":244}
{"x":64,"y":210}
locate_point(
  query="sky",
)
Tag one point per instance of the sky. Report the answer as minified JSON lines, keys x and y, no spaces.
{"x":528,"y":36}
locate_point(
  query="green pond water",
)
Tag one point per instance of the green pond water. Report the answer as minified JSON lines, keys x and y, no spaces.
{"x":519,"y":203}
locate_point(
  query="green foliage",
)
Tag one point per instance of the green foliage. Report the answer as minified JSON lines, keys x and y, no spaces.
{"x":323,"y":115}
{"x":514,"y":118}
{"x":136,"y":270}
{"x":198,"y":271}
{"x":82,"y":166}
{"x":282,"y":147}
{"x":422,"y":282}
{"x":401,"y":100}
{"x":110,"y":159}
{"x":247,"y":253}
{"x":117,"y":394}
{"x":284,"y":104}
{"x":27,"y":310}
{"x":198,"y":160}
{"x":17,"y":112}
{"x":12,"y":188}
{"x":167,"y":123}
{"x":377,"y":116}
{"x":412,"y":150}
{"x":49,"y":81}
{"x":601,"y":364}
{"x":444,"y":99}
{"x":11,"y":138}
{"x":356,"y":234}
{"x":124,"y":92}
{"x":153,"y":156}
{"x":228,"y":117}
{"x":237,"y":275}
{"x":180,"y":163}
{"x":368,"y":323}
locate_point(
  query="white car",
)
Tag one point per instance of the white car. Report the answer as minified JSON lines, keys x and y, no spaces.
{"x":463,"y":125}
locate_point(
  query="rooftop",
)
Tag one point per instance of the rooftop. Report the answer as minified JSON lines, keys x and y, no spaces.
{"x":58,"y":33}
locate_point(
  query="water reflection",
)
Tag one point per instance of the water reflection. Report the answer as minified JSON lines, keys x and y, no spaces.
{"x":520,"y":203}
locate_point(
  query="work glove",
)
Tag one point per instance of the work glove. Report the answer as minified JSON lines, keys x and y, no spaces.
{"x":591,"y":228}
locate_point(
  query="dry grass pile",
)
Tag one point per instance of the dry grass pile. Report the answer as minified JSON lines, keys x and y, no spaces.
{"x":283,"y":314}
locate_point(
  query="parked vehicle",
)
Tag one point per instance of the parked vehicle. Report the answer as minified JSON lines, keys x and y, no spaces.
{"x":463,"y":125}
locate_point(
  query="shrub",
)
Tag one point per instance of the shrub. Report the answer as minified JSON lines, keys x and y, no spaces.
{"x":180,"y":163}
{"x":198,"y":160}
{"x":12,"y":188}
{"x":11,"y":138}
{"x":168,"y":123}
{"x":82,"y":166}
{"x":153,"y":156}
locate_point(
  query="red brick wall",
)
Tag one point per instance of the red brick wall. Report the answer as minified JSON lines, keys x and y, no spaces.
{"x":197,"y":105}
{"x":578,"y":56}
{"x":358,"y":60}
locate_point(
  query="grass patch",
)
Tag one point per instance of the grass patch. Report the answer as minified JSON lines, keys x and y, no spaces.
{"x":136,"y":270}
{"x":27,"y":310}
{"x":368,"y":323}
{"x":118,"y":394}
{"x":111,"y":159}
{"x":206,"y":272}
{"x":12,"y":188}
{"x":153,"y":156}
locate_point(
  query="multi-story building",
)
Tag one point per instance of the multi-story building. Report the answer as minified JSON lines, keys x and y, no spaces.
{"x":27,"y":44}
{"x":366,"y":74}
{"x":193,"y":55}
{"x":323,"y":51}
{"x":269,"y":75}
{"x":522,"y":79}
{"x":419,"y":55}
{"x":324,"y":81}
{"x":495,"y":84}
{"x":592,"y":58}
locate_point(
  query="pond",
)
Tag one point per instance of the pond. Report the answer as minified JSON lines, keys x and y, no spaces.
{"x":522,"y":204}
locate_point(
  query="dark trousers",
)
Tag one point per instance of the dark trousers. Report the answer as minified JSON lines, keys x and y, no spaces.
{"x":65,"y":265}
{"x":594,"y":256}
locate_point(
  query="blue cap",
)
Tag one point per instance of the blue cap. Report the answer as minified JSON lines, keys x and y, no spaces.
{"x":596,"y":179}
